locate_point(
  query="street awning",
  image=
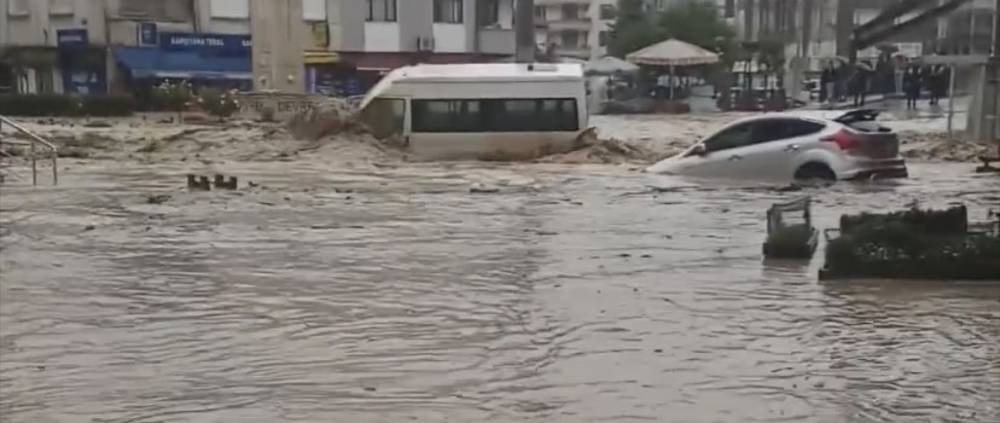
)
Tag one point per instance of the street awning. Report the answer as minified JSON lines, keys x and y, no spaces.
{"x":145,"y":63}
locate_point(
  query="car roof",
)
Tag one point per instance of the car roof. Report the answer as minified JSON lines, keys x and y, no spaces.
{"x":785,"y":115}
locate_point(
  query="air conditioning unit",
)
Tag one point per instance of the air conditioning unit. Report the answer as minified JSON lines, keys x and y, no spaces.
{"x":425,"y":43}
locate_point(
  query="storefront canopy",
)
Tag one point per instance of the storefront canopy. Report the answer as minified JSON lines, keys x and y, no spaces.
{"x":145,"y":63}
{"x":673,"y":52}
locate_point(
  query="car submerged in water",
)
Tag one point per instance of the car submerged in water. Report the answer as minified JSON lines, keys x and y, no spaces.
{"x":786,"y":146}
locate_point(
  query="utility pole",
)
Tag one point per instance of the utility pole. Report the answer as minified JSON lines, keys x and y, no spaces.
{"x":524,"y":31}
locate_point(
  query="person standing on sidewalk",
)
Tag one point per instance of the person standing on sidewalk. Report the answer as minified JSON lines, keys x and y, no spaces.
{"x":859,"y":85}
{"x":911,"y":86}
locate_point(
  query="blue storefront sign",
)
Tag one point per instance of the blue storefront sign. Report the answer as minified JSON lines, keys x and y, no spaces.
{"x":72,"y":39}
{"x":209,"y":59}
{"x":147,"y":34}
{"x":217,"y":44}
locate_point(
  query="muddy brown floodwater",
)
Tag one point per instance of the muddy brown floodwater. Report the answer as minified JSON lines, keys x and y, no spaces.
{"x":574,"y":294}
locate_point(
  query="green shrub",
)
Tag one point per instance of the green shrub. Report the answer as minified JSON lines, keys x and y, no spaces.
{"x":38,"y":105}
{"x":900,"y":250}
{"x":107,"y":105}
{"x":173,"y":96}
{"x":64,"y":105}
{"x":218,"y":102}
{"x":950,"y":221}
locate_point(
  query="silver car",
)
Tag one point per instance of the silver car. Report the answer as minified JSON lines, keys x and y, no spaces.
{"x":788,"y":146}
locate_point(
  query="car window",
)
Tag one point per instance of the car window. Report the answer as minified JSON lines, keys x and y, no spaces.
{"x":768,"y":130}
{"x":799,"y":127}
{"x":779,"y":129}
{"x":736,"y":136}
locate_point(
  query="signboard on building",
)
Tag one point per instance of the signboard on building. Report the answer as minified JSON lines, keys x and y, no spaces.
{"x":231,"y":44}
{"x":72,"y":39}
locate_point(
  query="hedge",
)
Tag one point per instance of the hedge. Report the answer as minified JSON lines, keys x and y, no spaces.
{"x":914,"y":244}
{"x":898,"y":251}
{"x":62,"y":105}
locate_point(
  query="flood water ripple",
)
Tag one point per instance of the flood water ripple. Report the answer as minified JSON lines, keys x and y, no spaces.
{"x":587,"y":294}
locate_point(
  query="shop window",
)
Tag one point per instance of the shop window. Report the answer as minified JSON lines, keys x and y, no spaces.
{"x":489,"y":13}
{"x":60,"y":7}
{"x":495,"y":115}
{"x":608,"y":12}
{"x":448,"y":11}
{"x":230,"y":9}
{"x":18,"y":7}
{"x":314,"y":10}
{"x":381,"y":10}
{"x":385,"y":116}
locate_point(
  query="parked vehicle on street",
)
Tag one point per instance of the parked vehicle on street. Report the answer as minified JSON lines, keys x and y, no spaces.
{"x":789,"y":146}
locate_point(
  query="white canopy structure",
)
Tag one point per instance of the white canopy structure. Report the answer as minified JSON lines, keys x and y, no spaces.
{"x":673,"y":52}
{"x":609,"y":65}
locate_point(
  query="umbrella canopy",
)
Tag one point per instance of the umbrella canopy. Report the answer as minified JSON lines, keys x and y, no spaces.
{"x":609,"y":65}
{"x":673,"y":52}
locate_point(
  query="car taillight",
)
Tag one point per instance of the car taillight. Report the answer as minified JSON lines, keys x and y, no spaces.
{"x":845,"y":140}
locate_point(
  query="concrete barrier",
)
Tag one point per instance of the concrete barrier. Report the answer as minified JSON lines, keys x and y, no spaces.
{"x":280,"y":106}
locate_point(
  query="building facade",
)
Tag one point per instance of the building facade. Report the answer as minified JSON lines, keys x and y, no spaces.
{"x":52,"y":46}
{"x":574,"y":28}
{"x":106,"y":45}
{"x":818,"y":29}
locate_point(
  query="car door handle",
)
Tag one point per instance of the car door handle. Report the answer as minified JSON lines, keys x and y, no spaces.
{"x":735,"y":158}
{"x":793,"y":147}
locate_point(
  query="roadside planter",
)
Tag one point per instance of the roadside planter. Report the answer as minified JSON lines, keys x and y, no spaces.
{"x":914,"y":244}
{"x":790,"y":233}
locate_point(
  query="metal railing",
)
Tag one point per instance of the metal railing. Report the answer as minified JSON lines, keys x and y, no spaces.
{"x":34,"y":141}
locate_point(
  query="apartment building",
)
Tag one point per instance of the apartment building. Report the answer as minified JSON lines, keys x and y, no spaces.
{"x":105,"y":45}
{"x":51,"y":46}
{"x":378,"y":35}
{"x":574,"y":28}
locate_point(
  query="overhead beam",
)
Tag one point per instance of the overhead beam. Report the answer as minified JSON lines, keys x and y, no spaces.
{"x":889,"y":15}
{"x":880,"y":35}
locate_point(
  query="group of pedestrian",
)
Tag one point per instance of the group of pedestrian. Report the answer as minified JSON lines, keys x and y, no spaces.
{"x":933,"y":79}
{"x":839,"y":81}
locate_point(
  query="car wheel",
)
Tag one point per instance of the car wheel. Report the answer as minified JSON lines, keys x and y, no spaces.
{"x":814,"y":172}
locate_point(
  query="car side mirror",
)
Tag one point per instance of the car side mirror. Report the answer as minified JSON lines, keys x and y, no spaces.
{"x":699,"y":150}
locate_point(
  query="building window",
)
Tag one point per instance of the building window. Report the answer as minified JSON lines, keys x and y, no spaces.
{"x":608,"y":12}
{"x":570,"y":39}
{"x":60,"y":7}
{"x":381,"y":10}
{"x":18,"y":8}
{"x":314,"y":10}
{"x":540,"y":13}
{"x":448,"y":11}
{"x":570,"y":11}
{"x":489,"y":13}
{"x":230,"y":9}
{"x":495,"y":115}
{"x":602,"y":38}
